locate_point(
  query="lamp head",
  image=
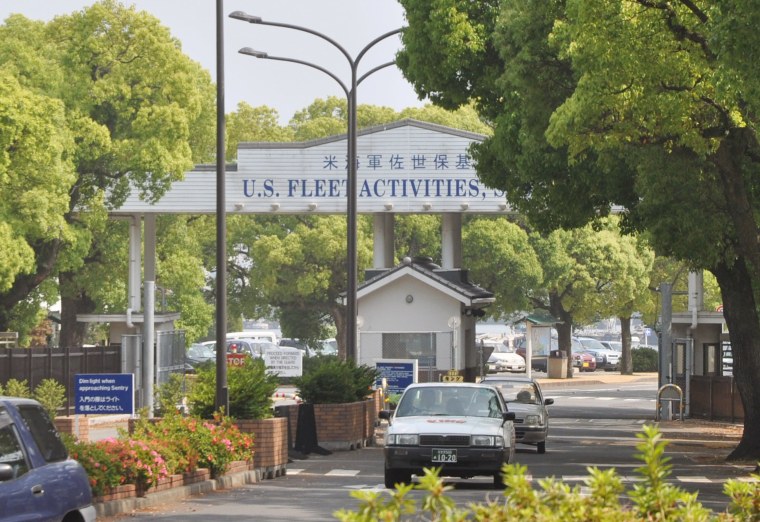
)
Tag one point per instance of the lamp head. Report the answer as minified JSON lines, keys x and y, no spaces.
{"x":245,"y":17}
{"x":253,"y":52}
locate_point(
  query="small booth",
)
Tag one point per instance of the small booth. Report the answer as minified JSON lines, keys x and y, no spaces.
{"x":420,"y":311}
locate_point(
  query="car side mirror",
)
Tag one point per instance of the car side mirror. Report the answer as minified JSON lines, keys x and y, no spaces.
{"x":6,"y":472}
{"x":547,"y":402}
{"x":508,"y":416}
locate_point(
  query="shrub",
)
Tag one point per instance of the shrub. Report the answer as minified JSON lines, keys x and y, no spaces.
{"x":191,"y":442}
{"x":250,"y":391}
{"x":645,"y":359}
{"x":652,"y":498}
{"x":16,"y":388}
{"x":332,"y":381}
{"x":112,"y":462}
{"x":159,"y":448}
{"x":51,"y":395}
{"x":171,"y":393}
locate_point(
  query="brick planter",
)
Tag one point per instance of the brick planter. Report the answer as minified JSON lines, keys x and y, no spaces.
{"x":69,"y":426}
{"x":270,"y":457}
{"x":118,"y":493}
{"x":199,"y":475}
{"x":343,"y":427}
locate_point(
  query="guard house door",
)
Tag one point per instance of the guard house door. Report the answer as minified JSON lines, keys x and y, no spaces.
{"x":682,"y":367}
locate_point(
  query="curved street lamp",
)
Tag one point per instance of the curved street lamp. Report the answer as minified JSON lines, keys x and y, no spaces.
{"x":350,"y":91}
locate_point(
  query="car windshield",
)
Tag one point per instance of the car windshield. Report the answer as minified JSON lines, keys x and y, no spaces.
{"x":593,"y":344}
{"x":522,"y":392}
{"x":201,"y":351}
{"x":449,"y":401}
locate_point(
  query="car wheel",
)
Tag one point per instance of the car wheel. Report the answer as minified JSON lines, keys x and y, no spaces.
{"x":498,"y":480}
{"x":396,"y":476}
{"x":541,"y":447}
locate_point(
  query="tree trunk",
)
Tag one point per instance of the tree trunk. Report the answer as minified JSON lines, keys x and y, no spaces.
{"x":564,"y":330}
{"x":338,"y":314}
{"x":46,"y":255}
{"x":72,"y":331}
{"x":626,"y":360}
{"x":740,"y":311}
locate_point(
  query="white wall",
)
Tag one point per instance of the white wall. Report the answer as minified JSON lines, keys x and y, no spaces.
{"x":387,"y":310}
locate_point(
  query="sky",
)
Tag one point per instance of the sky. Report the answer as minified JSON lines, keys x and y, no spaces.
{"x":284,"y":86}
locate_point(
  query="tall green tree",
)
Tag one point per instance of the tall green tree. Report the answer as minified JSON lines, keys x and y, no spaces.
{"x":253,"y":124}
{"x":304,"y":270}
{"x":500,"y":257}
{"x":651,"y":106}
{"x":137,"y":113}
{"x":678,"y":101}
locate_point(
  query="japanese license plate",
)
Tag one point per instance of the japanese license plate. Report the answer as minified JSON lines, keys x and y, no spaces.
{"x":585,"y":364}
{"x":444,"y":455}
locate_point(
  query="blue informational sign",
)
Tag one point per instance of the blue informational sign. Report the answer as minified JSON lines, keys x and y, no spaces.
{"x":398,"y":374}
{"x":104,"y":393}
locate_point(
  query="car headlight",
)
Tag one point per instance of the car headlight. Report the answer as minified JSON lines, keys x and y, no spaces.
{"x":404,"y":440}
{"x":486,"y":440}
{"x":534,"y":420}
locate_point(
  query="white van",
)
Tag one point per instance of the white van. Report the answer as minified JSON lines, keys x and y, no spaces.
{"x":257,"y":335}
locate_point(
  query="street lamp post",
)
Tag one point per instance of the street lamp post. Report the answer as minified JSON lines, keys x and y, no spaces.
{"x":351,"y":138}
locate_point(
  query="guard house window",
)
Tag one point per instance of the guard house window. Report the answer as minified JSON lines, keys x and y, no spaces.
{"x":710,"y":360}
{"x":420,"y":346}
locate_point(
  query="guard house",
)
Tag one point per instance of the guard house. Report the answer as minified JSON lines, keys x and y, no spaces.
{"x":700,"y":359}
{"x":418,"y":310}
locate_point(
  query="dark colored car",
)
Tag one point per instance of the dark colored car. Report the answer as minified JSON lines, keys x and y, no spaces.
{"x":38,"y":480}
{"x":199,"y":354}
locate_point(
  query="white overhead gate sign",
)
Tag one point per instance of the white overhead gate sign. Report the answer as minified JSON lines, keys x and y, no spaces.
{"x":404,"y":167}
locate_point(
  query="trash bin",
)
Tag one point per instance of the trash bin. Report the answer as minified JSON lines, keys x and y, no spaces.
{"x":557,"y":365}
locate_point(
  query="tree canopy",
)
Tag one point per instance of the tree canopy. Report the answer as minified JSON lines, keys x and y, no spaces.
{"x":646,"y":106}
{"x":96,"y":103}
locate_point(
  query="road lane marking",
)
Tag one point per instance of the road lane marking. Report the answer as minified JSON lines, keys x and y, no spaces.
{"x":694,"y":480}
{"x":342,"y":473}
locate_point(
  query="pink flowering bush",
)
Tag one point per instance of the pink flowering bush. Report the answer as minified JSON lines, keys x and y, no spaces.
{"x":198,"y":443}
{"x":160,"y":448}
{"x":112,"y":462}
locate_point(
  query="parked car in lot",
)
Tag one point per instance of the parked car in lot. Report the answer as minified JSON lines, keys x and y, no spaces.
{"x":38,"y":480}
{"x":606,"y":359}
{"x":524,"y":397}
{"x":463,"y":428}
{"x":251,"y":347}
{"x":297,"y":343}
{"x":199,"y":354}
{"x":584,"y":361}
{"x":615,"y":345}
{"x":504,"y":359}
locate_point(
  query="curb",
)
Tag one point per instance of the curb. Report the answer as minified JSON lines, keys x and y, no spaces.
{"x":128,"y":505}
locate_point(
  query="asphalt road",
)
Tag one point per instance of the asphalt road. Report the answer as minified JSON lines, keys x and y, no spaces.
{"x":591,"y":425}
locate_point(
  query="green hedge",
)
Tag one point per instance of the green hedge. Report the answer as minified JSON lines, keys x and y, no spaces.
{"x":328,"y":380}
{"x":645,"y":359}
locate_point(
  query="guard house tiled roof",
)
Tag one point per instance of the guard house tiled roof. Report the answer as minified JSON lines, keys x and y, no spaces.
{"x":453,"y":279}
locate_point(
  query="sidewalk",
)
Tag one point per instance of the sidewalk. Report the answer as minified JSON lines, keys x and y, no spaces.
{"x":690,"y":429}
{"x":598,"y":377}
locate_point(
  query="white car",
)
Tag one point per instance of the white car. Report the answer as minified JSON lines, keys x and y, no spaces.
{"x":505,"y":361}
{"x":463,"y":428}
{"x":606,"y":359}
